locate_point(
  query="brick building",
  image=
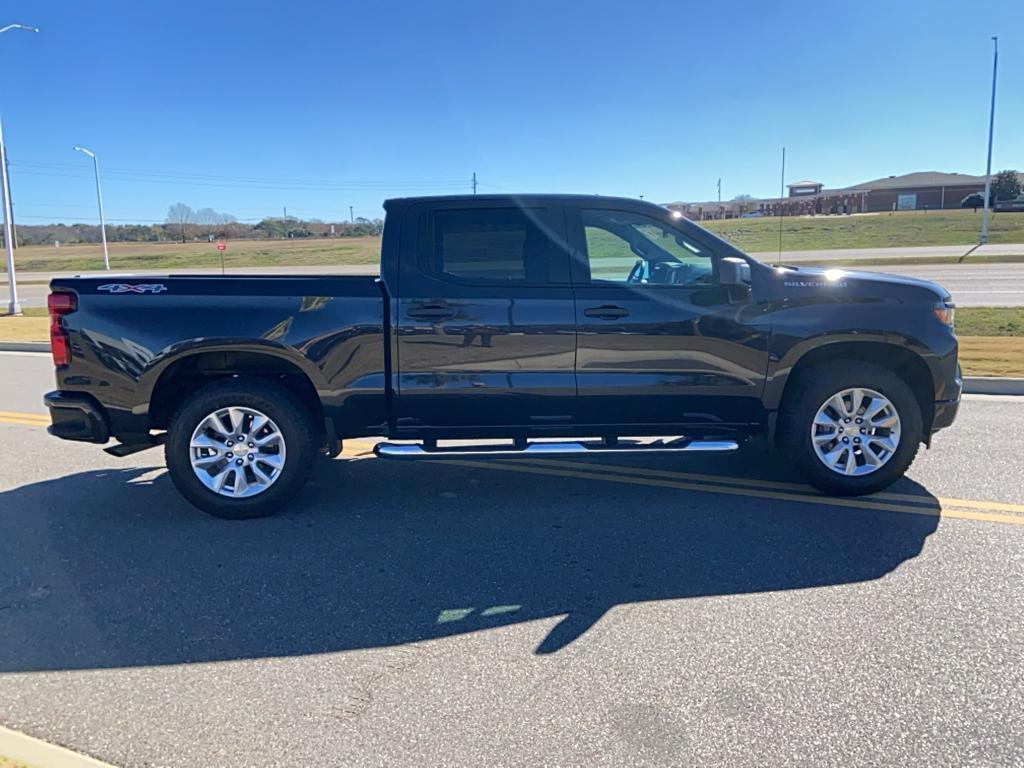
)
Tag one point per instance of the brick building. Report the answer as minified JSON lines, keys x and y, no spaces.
{"x":912,"y":191}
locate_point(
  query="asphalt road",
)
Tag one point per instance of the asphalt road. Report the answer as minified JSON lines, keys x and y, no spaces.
{"x":614,"y":611}
{"x":909,"y":252}
{"x":971,"y":285}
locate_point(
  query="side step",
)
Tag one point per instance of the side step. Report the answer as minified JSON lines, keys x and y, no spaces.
{"x":577,"y":447}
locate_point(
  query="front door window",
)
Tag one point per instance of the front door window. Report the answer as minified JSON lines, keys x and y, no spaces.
{"x":635,"y":249}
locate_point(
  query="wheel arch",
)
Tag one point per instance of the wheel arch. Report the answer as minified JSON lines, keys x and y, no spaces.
{"x":170,"y":384}
{"x":897,"y":358}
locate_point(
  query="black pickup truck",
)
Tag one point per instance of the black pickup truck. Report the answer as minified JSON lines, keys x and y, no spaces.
{"x":546,"y":325}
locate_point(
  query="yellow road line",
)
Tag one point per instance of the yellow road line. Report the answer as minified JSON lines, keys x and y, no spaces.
{"x":353,"y":448}
{"x":25,"y":416}
{"x":693,"y":481}
{"x":21,"y":423}
{"x":827,"y":501}
{"x":778,"y":485}
{"x":947,"y":505}
{"x":24,"y":419}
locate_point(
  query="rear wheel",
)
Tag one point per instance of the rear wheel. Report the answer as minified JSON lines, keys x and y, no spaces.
{"x":240,"y":448}
{"x":851,"y":428}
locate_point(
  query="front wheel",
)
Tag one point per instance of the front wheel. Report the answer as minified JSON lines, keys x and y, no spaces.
{"x":851,"y":428}
{"x":240,"y":448}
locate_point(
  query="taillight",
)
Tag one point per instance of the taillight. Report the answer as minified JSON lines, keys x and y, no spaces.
{"x":60,"y":304}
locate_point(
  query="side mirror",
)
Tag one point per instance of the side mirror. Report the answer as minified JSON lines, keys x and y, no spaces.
{"x":733,"y":272}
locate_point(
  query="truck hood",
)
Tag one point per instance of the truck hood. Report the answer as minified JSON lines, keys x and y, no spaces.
{"x":798,"y":278}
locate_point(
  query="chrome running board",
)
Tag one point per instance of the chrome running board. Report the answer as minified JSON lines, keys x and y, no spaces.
{"x":576,"y":447}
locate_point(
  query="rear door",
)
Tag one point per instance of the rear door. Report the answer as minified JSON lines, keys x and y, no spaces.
{"x":485,"y":323}
{"x":660,"y":342}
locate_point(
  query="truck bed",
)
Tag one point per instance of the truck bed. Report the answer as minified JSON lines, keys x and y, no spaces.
{"x":128,"y":334}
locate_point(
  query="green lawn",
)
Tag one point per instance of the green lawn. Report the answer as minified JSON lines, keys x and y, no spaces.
{"x":990,"y":321}
{"x":754,"y":235}
{"x":178,"y":256}
{"x":881,"y":230}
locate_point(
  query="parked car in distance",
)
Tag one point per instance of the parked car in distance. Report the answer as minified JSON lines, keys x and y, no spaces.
{"x":602,"y":325}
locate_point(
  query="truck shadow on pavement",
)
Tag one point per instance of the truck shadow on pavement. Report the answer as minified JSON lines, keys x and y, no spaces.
{"x":112,"y":569}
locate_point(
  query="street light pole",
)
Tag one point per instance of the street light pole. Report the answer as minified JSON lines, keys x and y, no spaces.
{"x":13,"y":305}
{"x":99,"y":199}
{"x":991,"y":126}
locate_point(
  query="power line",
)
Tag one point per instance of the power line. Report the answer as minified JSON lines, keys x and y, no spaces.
{"x":274,"y":187}
{"x":129,"y":173}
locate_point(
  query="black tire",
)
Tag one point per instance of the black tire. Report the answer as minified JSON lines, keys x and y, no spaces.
{"x":815,"y":386}
{"x":274,"y":400}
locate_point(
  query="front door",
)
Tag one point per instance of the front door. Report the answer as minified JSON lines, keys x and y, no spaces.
{"x":660,"y":342}
{"x":485,"y":319}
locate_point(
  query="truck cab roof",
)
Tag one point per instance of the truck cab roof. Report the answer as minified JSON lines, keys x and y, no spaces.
{"x":516,"y":198}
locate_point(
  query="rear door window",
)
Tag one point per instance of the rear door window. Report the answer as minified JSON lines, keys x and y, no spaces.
{"x":503,"y":246}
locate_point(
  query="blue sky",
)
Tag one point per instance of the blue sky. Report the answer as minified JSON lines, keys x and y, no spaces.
{"x":319,"y":106}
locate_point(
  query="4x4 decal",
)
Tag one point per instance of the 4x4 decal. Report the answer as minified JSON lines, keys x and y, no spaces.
{"x":130,"y":288}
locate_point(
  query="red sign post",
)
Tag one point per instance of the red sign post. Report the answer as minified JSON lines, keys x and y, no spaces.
{"x":222,"y":246}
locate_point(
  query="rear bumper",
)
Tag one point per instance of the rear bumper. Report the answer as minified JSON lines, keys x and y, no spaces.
{"x":76,"y":416}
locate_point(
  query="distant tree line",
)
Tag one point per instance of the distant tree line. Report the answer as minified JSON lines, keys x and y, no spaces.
{"x":183,"y":224}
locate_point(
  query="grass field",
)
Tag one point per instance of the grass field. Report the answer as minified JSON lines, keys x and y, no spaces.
{"x":990,"y":321}
{"x":991,"y":338}
{"x":992,"y":355}
{"x":904,"y":229}
{"x":799,"y":233}
{"x":177,"y":256}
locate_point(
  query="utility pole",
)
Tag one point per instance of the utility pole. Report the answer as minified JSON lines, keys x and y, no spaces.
{"x":474,"y":182}
{"x":991,"y":126}
{"x":782,"y":203}
{"x":99,"y":199}
{"x":284,"y":222}
{"x":13,"y":306}
{"x":719,"y":189}
{"x":351,"y":215}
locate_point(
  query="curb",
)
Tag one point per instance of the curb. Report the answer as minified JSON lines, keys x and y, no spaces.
{"x":24,"y":346}
{"x":993,"y":385}
{"x":31,"y":751}
{"x":973,"y":385}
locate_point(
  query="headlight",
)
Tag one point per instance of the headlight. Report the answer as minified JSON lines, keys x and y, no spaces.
{"x":945,"y":312}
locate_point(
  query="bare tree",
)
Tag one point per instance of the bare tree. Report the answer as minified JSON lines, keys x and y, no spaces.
{"x":182,"y":215}
{"x":207,"y":216}
{"x":209,"y":219}
{"x":213,"y":221}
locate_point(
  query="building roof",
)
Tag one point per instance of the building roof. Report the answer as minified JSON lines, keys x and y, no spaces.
{"x":923,"y":179}
{"x":919,"y":179}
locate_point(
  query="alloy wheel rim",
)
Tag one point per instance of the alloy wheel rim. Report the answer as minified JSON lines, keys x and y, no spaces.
{"x":237,"y":452}
{"x":856,"y":432}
